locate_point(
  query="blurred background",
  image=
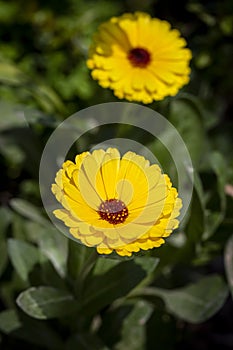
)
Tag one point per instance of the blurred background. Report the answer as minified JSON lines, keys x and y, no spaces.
{"x":43,"y":77}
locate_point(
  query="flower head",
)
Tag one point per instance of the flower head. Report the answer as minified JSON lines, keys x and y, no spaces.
{"x":140,"y":58}
{"x":116,"y":203}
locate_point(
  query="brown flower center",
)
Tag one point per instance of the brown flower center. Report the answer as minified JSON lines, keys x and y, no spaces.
{"x":139,"y":57}
{"x":114,"y":211}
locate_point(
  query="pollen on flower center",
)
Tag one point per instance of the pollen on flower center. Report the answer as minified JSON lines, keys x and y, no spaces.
{"x":114,"y":211}
{"x":139,"y":57}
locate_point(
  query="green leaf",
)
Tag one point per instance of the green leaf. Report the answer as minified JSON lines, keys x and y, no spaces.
{"x":112,"y":321}
{"x":78,"y":257}
{"x":13,"y":117}
{"x":196,"y":224}
{"x":51,"y":242}
{"x":39,"y":333}
{"x":5,"y":219}
{"x":148,"y":263}
{"x":196,"y":302}
{"x":54,"y":246}
{"x":46,"y":302}
{"x":45,"y":96}
{"x":186,"y":117}
{"x":10,"y":74}
{"x":19,"y":115}
{"x":48,"y":99}
{"x":133,"y":331}
{"x":228,"y":260}
{"x":28,"y":210}
{"x":193,"y":232}
{"x":214,"y":218}
{"x":21,"y":326}
{"x":9,"y":321}
{"x":117,"y":282}
{"x":24,"y":257}
{"x":104,"y":264}
{"x":219,"y":165}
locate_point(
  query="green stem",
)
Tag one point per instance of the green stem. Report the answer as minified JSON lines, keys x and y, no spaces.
{"x":84,"y":272}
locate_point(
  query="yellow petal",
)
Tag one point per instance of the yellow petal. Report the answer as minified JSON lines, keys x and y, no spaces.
{"x":107,"y":174}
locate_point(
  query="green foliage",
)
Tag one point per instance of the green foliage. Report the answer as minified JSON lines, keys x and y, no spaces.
{"x":23,"y":256}
{"x":186,"y":116}
{"x":133,"y":328}
{"x":58,"y":294}
{"x":46,"y":302}
{"x":194,"y":303}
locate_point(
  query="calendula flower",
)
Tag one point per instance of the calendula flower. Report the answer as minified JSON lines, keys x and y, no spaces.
{"x":140,"y":58}
{"x":116,"y":204}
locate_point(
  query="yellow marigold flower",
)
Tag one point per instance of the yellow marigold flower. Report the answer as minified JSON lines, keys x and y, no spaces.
{"x":140,"y":58}
{"x":116,"y":204}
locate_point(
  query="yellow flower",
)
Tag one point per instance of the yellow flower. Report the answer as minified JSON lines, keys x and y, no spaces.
{"x":116,"y":204}
{"x":140,"y":58}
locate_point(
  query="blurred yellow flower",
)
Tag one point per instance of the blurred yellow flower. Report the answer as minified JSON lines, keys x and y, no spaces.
{"x":116,"y":204}
{"x":140,"y":58}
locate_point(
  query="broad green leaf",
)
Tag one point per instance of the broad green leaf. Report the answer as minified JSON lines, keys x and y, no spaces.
{"x":24,"y":257}
{"x":148,"y":263}
{"x":196,"y":302}
{"x":9,"y":321}
{"x":51,"y":242}
{"x":228,"y":260}
{"x":46,"y":302}
{"x":133,"y":331}
{"x":28,"y":210}
{"x":117,"y":282}
{"x":104,"y":264}
{"x":54,"y":246}
{"x":19,"y":224}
